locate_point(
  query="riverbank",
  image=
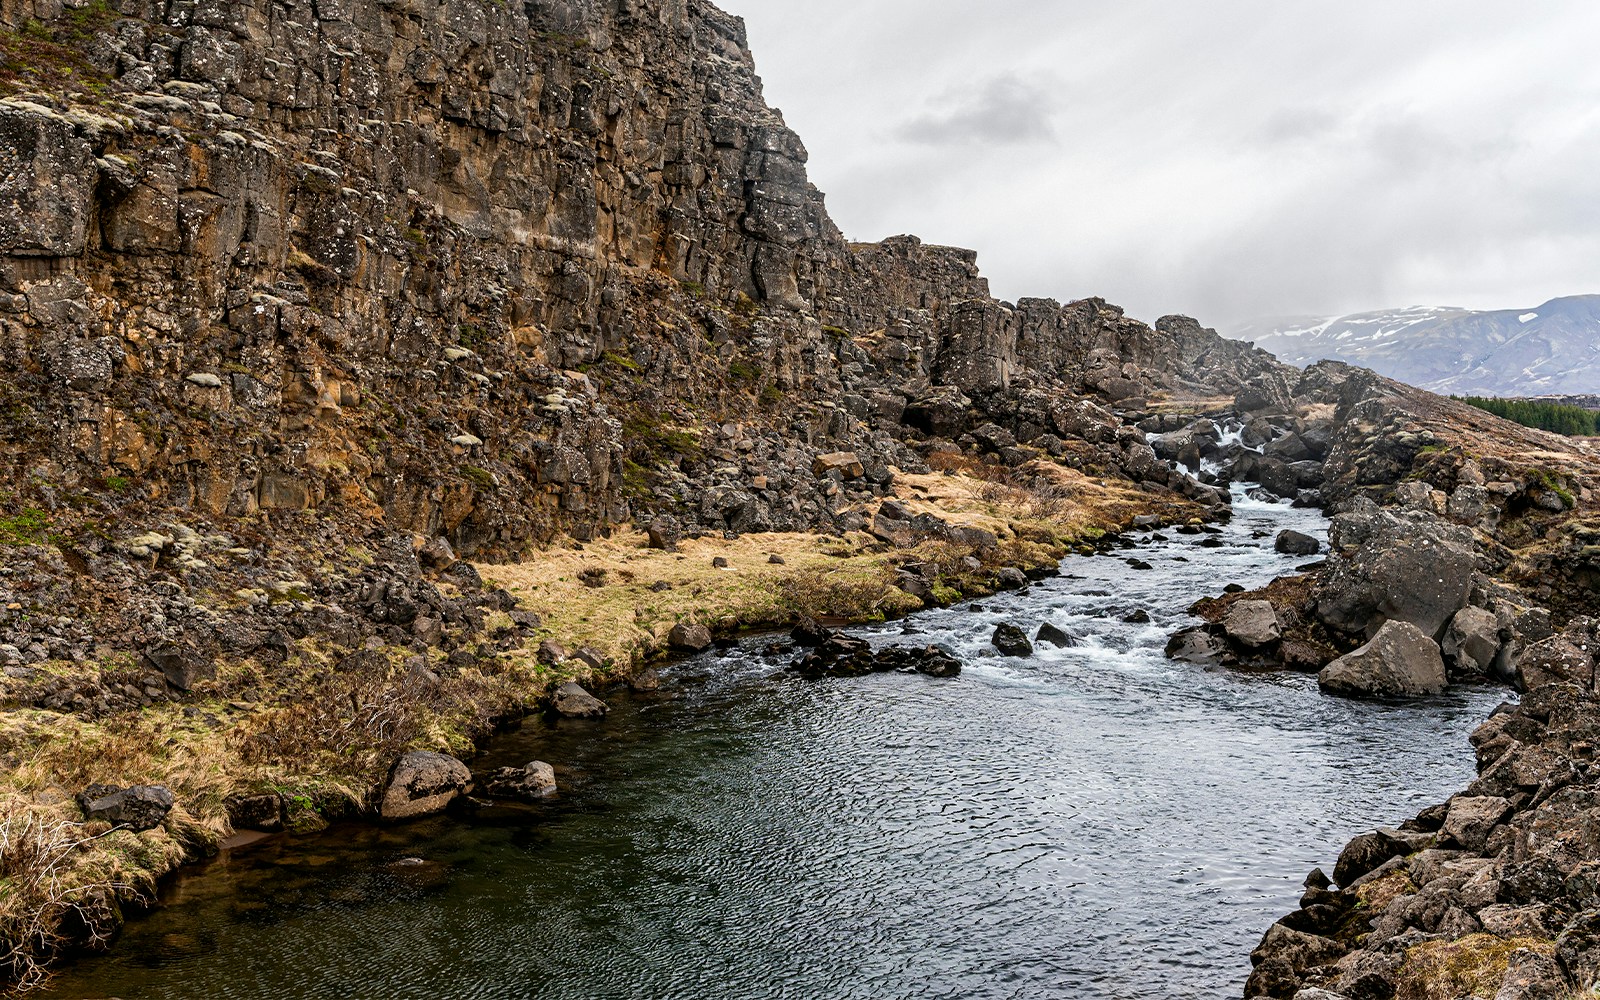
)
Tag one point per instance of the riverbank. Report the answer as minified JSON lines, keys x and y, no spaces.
{"x":309,"y":740}
{"x":1061,"y":825}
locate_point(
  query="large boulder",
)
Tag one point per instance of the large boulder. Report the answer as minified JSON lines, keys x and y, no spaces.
{"x":1400,"y":660}
{"x":1472,"y":642}
{"x":1408,"y":567}
{"x":140,"y":808}
{"x":1253,"y":624}
{"x":572,"y":701}
{"x":530,"y":783}
{"x":422,"y":784}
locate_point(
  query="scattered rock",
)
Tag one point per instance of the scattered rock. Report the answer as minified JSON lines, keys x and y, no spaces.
{"x":689,"y":637}
{"x":139,"y":808}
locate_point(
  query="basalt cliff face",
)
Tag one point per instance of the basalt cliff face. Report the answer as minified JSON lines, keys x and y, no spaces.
{"x":484,"y":270}
{"x":300,"y":300}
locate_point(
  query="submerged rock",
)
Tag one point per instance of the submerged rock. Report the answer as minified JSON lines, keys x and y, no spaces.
{"x":1400,"y":660}
{"x":1055,"y":636}
{"x":534,"y":781}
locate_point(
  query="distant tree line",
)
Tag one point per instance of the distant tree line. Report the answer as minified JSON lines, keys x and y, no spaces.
{"x":1573,"y":421}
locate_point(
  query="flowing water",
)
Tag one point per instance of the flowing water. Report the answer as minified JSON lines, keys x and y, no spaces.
{"x":1095,"y":822}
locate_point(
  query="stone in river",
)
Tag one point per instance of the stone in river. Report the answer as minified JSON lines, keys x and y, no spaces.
{"x":1011,"y":640}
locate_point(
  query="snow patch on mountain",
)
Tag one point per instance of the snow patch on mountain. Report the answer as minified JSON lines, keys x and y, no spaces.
{"x":1554,"y":348}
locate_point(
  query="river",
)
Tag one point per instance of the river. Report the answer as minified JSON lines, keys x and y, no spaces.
{"x":1095,"y":822}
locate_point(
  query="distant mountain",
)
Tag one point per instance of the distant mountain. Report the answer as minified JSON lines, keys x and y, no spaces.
{"x":1551,"y":349}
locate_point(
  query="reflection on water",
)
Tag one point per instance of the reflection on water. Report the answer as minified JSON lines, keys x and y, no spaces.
{"x":1089,"y":823}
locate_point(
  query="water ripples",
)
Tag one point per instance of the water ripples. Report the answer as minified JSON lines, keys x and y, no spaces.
{"x":1093,"y":823}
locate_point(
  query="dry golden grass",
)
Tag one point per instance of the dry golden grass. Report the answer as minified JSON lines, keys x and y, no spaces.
{"x":321,"y":730}
{"x":649,"y":591}
{"x":1471,"y":967}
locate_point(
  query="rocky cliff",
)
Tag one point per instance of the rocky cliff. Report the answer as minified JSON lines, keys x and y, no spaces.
{"x":300,"y":299}
{"x":477,"y":269}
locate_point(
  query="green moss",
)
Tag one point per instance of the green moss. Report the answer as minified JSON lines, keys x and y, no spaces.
{"x":771,"y":396}
{"x":835,"y":331}
{"x":693,"y":288}
{"x":483,"y":479}
{"x":652,"y":442}
{"x":29,"y":526}
{"x":743,"y":371}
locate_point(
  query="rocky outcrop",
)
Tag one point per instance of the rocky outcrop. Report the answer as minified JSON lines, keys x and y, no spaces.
{"x":1502,"y":874}
{"x":1407,"y":567}
{"x":474,"y":265}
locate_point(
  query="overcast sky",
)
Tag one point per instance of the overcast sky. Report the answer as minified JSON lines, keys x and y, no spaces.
{"x":1230,"y":159}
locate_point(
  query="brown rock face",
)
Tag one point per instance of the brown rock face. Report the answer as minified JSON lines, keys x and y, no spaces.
{"x":485,"y":272}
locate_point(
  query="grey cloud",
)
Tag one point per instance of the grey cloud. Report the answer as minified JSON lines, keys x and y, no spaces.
{"x":1004,"y":110}
{"x":1233,"y":159}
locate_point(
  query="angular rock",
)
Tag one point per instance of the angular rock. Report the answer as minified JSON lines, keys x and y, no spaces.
{"x":1368,"y":852}
{"x":1471,"y":818}
{"x":1400,"y":660}
{"x":183,"y":666}
{"x":139,"y":808}
{"x":1471,"y":642}
{"x":1011,"y":641}
{"x":846,"y":463}
{"x":572,"y":701}
{"x":1253,"y":624}
{"x":689,"y":637}
{"x":423,"y":783}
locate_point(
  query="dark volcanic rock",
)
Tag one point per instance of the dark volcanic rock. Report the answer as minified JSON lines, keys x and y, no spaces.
{"x":534,"y":781}
{"x":1297,"y":543}
{"x":139,"y":808}
{"x":1011,"y":641}
{"x":574,"y":702}
{"x":1400,"y":660}
{"x":1055,"y":636}
{"x":421,"y":784}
